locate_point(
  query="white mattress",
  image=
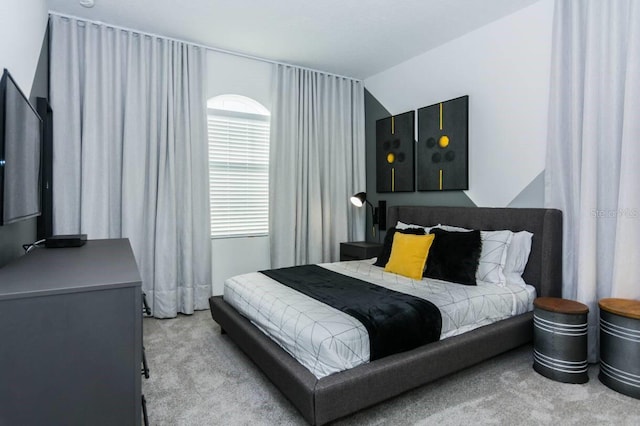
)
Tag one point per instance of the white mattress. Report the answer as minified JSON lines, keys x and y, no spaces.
{"x":327,"y":341}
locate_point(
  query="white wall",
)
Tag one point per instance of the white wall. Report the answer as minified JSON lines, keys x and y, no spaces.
{"x":230,"y":74}
{"x":22,"y":28}
{"x":504,"y":67}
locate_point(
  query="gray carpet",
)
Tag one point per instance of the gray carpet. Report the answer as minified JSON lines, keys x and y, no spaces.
{"x":199,"y":377}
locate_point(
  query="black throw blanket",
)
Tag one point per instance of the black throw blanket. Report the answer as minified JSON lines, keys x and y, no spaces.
{"x":396,"y":322}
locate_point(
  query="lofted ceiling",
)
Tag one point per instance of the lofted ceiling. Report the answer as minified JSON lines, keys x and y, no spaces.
{"x":347,"y":37}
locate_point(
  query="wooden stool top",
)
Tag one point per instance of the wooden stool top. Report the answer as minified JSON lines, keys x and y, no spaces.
{"x":561,"y":306}
{"x":624,"y":307}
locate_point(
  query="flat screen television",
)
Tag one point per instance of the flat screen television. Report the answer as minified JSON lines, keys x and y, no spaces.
{"x":20,"y":151}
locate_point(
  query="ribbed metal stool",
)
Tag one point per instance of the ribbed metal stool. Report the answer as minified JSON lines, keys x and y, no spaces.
{"x":620,"y":345}
{"x":560,"y":339}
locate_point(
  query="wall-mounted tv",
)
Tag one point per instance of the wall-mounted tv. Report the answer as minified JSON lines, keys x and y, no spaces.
{"x":20,"y":150}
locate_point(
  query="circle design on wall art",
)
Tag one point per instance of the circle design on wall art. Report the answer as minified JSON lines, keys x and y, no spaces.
{"x":396,"y":143}
{"x":450,"y":156}
{"x":386,"y":145}
{"x":431,"y":142}
{"x":401,"y":157}
{"x":391,"y":157}
{"x":443,"y":141}
{"x":436,"y":157}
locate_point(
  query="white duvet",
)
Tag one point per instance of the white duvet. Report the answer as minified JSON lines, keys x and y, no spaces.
{"x":327,"y":341}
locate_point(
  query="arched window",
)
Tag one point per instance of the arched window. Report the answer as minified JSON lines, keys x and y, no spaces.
{"x":238,"y":130}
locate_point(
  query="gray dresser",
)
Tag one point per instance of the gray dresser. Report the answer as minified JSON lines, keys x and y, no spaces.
{"x":71,"y":337}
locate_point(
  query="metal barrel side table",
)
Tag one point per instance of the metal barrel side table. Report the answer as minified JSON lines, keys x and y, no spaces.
{"x":620,"y":345}
{"x":560,"y":339}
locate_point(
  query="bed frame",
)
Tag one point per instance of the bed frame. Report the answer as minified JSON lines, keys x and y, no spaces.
{"x":323,"y":400}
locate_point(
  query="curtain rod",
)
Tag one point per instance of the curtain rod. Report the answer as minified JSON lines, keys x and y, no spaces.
{"x":202,"y":46}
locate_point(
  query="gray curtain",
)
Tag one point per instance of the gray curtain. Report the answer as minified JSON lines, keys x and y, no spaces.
{"x":316,"y":163}
{"x":130,"y":153}
{"x":593,"y":149}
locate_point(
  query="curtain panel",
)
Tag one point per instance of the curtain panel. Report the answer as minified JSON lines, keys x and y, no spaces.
{"x":130,"y":153}
{"x":593,"y":149}
{"x":316,"y":163}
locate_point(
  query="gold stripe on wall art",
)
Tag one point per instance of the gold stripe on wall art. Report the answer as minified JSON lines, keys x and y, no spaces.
{"x":393,"y":179}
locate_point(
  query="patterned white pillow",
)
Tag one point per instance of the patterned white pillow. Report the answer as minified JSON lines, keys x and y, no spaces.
{"x":493,"y":257}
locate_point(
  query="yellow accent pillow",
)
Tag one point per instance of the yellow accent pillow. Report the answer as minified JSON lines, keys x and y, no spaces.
{"x":409,"y":254}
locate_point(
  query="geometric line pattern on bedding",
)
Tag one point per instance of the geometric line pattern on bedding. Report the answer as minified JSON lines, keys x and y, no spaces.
{"x":326,"y":341}
{"x":493,"y":256}
{"x":396,"y":322}
{"x":495,"y":245}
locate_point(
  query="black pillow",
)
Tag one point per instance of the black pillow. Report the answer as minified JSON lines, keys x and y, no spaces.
{"x":454,"y":256}
{"x":385,"y":252}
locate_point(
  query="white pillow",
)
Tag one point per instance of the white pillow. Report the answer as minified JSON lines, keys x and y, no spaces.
{"x":517,"y":257}
{"x":493,"y":256}
{"x":402,"y":225}
{"x":452,"y":228}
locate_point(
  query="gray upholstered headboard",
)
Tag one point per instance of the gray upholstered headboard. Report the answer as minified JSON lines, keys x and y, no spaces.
{"x":544,"y":269}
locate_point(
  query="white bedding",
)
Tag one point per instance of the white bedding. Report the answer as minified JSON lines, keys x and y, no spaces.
{"x":327,"y":341}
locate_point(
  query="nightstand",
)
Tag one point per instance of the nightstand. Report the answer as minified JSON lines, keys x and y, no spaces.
{"x":560,"y":339}
{"x":358,"y":250}
{"x":620,"y":345}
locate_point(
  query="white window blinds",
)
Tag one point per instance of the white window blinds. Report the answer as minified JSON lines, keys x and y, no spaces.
{"x":238,"y":173}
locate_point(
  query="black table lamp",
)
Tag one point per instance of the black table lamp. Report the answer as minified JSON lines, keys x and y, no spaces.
{"x":359,"y":200}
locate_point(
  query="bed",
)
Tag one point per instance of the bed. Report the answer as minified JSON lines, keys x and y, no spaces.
{"x":321,"y":400}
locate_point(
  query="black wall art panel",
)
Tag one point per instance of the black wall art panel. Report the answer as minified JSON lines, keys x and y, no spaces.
{"x":443,"y":146}
{"x":395,"y":146}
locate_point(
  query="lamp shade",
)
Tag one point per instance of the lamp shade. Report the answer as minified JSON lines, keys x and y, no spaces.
{"x":359,"y":199}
